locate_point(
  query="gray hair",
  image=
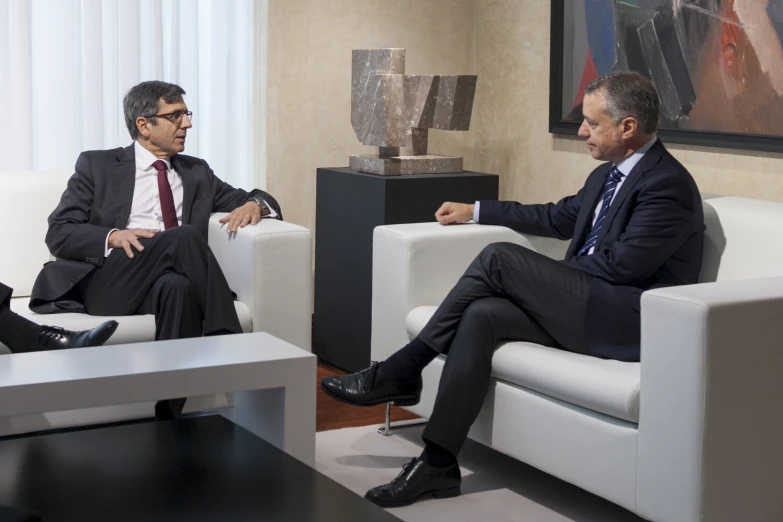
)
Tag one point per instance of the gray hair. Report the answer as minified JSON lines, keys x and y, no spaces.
{"x":629,"y":94}
{"x":142,"y":101}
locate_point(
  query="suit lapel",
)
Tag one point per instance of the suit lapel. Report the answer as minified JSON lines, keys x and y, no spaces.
{"x":122,"y":186}
{"x":584,"y":222}
{"x":188,"y":188}
{"x":647,"y":162}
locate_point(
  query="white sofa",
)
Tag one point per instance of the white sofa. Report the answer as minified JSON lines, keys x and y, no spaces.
{"x":692,"y":433}
{"x":268,"y":266}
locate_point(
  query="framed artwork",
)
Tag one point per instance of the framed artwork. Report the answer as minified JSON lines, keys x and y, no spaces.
{"x":717,"y":65}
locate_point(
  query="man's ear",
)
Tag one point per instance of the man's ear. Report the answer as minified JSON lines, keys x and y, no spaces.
{"x":143,"y":124}
{"x":629,"y":127}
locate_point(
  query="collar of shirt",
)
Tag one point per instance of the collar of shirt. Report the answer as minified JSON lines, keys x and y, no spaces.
{"x":627,"y":164}
{"x":145,"y":159}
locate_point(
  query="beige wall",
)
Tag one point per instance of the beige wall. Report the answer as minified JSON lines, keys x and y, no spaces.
{"x":309,"y":80}
{"x":509,"y":133}
{"x":506,"y":42}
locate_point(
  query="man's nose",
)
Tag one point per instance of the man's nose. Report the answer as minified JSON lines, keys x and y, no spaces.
{"x":186,"y":123}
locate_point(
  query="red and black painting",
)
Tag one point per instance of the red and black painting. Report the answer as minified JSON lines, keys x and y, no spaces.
{"x":717,"y":64}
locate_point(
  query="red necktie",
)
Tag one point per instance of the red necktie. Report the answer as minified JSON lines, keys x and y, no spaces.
{"x":167,"y":207}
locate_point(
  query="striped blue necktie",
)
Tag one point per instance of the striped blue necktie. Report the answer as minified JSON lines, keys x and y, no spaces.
{"x":614,"y":177}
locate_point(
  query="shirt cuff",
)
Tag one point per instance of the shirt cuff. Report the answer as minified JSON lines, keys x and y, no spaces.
{"x":106,"y":249}
{"x":272,"y":214}
{"x":476,"y":211}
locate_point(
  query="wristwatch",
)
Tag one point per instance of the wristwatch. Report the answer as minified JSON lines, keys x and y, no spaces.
{"x":265,"y":210}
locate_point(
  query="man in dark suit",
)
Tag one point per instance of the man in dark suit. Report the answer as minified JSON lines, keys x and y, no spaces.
{"x":130,"y":232}
{"x":637,"y":224}
{"x":22,"y":335}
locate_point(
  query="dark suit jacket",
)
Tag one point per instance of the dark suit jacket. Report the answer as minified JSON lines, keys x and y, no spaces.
{"x":652,"y":238}
{"x":98,"y":199}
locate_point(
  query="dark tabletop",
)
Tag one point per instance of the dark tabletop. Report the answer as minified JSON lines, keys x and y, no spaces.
{"x":195,"y":469}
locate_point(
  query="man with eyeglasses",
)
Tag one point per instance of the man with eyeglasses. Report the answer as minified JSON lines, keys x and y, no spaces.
{"x":130,"y":232}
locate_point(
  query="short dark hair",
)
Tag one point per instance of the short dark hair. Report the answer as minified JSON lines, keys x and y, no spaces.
{"x":629,"y":94}
{"x":142,"y":100}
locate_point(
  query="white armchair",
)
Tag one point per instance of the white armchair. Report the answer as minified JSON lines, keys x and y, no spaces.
{"x":692,"y":433}
{"x":268,"y":266}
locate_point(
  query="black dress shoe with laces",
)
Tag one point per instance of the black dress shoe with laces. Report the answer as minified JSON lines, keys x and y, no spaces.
{"x":418,"y":480}
{"x":371,"y":387}
{"x":56,"y":338}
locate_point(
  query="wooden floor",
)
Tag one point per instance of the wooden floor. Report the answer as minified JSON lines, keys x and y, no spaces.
{"x":331,"y":414}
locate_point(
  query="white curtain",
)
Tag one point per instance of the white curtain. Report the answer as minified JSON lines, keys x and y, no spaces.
{"x":65,"y":66}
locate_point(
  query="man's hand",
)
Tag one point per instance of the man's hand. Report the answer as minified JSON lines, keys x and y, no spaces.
{"x":125,"y":238}
{"x":247,"y":214}
{"x":450,"y":213}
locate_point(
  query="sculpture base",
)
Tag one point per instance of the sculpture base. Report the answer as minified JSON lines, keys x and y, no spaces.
{"x":403,"y":165}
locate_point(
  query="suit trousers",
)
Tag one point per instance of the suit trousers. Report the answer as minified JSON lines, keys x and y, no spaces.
{"x":5,"y":295}
{"x":508,"y":293}
{"x":17,"y":333}
{"x":176,"y":277}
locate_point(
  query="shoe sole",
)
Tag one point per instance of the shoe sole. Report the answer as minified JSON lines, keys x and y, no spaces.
{"x":401,"y":401}
{"x":443,"y":493}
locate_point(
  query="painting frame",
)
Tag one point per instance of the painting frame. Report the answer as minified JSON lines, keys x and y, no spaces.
{"x":557,"y":125}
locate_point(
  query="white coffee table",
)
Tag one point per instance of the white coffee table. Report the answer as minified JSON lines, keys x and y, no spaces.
{"x":273,"y":382}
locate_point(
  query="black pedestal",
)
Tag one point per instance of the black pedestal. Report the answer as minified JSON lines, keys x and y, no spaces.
{"x":349,"y":205}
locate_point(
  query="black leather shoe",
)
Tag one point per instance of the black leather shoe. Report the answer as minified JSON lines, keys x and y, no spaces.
{"x":371,"y":387}
{"x":56,"y":338}
{"x":418,"y":480}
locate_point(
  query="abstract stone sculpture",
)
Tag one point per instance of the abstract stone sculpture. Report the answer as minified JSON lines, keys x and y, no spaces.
{"x":394,"y":112}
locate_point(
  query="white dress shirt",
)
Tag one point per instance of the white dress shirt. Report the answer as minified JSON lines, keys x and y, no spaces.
{"x":145,"y":207}
{"x":625,"y":167}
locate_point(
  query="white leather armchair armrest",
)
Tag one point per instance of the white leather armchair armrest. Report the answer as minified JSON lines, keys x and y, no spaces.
{"x":711,"y":406}
{"x":269,"y":266}
{"x":417,"y":264}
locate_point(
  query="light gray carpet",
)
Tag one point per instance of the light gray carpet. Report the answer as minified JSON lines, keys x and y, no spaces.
{"x":495,"y":487}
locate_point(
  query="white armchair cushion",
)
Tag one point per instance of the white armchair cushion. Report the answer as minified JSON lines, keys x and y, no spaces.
{"x":605,"y":386}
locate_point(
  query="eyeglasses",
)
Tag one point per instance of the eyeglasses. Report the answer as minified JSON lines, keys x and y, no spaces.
{"x":175,"y":117}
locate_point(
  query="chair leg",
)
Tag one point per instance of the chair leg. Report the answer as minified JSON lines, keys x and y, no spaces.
{"x":386,"y":429}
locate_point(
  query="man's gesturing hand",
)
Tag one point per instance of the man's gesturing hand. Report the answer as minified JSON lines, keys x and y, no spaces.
{"x":450,"y":213}
{"x":125,"y":238}
{"x":247,"y":214}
